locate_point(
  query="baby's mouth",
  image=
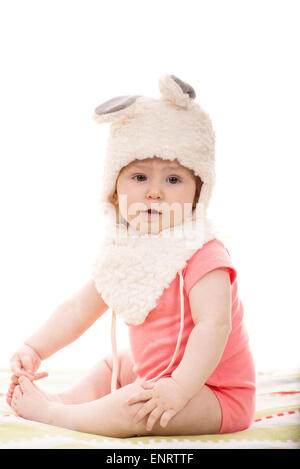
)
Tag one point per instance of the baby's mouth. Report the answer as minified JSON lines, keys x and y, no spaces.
{"x":151,"y":212}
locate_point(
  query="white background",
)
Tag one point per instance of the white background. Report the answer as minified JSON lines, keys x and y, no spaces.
{"x":59,"y":60}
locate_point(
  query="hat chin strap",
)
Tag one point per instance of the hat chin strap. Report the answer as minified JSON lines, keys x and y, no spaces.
{"x":115,"y":370}
{"x":114,"y":376}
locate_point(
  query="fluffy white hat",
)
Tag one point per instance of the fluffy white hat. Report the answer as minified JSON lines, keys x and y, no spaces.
{"x":171,"y":127}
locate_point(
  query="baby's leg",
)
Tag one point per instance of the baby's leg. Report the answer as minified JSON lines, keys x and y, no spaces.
{"x":96,"y":384}
{"x":111,"y":415}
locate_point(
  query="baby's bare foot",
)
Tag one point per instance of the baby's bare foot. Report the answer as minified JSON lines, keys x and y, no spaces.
{"x":15,"y":382}
{"x":30,"y":403}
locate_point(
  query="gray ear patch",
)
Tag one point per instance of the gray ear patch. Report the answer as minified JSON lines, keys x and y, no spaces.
{"x":186,"y":88}
{"x":115,"y":104}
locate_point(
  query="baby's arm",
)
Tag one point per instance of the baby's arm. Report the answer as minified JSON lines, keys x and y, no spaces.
{"x":210,"y":301}
{"x":68,"y":322}
{"x":65,"y":325}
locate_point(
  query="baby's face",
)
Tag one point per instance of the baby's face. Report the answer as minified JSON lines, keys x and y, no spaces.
{"x":161,"y":185}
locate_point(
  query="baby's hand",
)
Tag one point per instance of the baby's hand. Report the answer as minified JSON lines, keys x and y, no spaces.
{"x":26,"y":362}
{"x":32,"y":377}
{"x":164,"y":399}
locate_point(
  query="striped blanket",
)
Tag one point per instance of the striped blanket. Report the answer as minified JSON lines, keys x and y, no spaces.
{"x":276,"y":423}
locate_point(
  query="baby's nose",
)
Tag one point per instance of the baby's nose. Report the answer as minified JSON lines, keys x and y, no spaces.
{"x":154,"y":192}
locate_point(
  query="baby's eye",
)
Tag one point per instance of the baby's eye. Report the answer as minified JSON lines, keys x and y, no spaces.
{"x":174,"y":178}
{"x":138,"y":176}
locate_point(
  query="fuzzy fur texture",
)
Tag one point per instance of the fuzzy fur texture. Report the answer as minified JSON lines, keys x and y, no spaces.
{"x":133,"y":269}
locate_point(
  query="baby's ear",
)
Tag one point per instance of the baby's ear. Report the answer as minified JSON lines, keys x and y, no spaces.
{"x":176,"y":91}
{"x":115,"y":109}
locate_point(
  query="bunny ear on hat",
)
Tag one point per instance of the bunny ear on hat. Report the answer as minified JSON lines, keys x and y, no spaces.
{"x":175,"y":90}
{"x":172,"y":88}
{"x":115,"y":109}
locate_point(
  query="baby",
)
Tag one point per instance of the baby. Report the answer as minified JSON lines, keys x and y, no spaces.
{"x":162,"y":269}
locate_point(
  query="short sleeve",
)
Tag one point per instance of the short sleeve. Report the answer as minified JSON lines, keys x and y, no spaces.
{"x":213,"y":255}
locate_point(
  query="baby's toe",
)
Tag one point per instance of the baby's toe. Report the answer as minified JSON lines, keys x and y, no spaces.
{"x":17,"y":392}
{"x":8,"y":398}
{"x":12,"y":386}
{"x":14,"y":379}
{"x":25,"y":384}
{"x":16,"y":396}
{"x":9,"y":393}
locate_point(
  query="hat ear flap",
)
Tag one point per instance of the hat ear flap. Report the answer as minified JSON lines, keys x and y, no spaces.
{"x":175,"y":90}
{"x":115,"y":109}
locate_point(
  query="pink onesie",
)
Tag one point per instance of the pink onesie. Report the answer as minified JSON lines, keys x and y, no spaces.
{"x":153,"y":342}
